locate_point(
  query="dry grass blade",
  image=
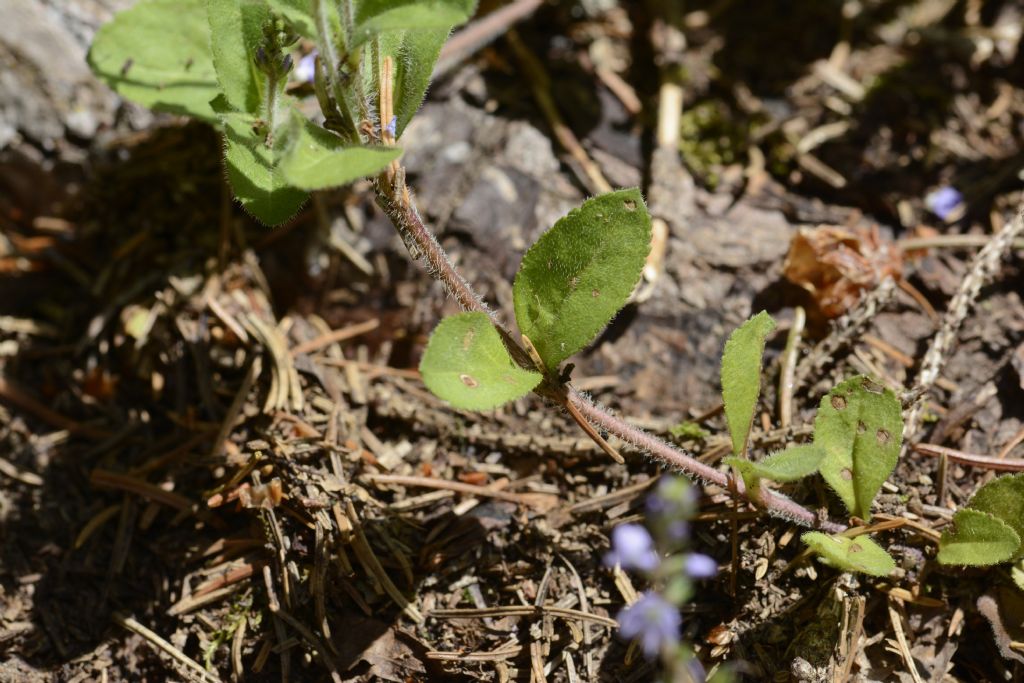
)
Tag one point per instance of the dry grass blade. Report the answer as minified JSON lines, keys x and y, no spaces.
{"x":98,"y":520}
{"x":12,"y":393}
{"x":125,"y":482}
{"x":252,"y":373}
{"x":372,"y":565}
{"x":164,"y":646}
{"x":504,"y":652}
{"x":24,"y":476}
{"x":336,"y":336}
{"x":320,"y":647}
{"x":988,"y":462}
{"x":540,"y":85}
{"x":523,"y":611}
{"x":543,"y":501}
{"x":897,"y":626}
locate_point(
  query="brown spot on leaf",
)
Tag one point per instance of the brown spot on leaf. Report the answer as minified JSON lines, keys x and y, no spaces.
{"x":846,"y":474}
{"x":861,"y":427}
{"x":855,"y":548}
{"x":595,"y":293}
{"x":629,"y":204}
{"x":882,"y":436}
{"x":467,"y":339}
{"x":469,"y":381}
{"x":574,"y":282}
{"x":838,"y":402}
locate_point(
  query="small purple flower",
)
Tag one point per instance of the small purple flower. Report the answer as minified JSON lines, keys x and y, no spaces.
{"x":674,"y":497}
{"x":392,"y":126}
{"x":677,"y":530}
{"x":306,"y":70}
{"x":632,"y":548}
{"x":944,"y":201}
{"x":700,"y":566}
{"x":652,"y":619}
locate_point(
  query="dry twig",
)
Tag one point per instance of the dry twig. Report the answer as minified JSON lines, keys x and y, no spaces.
{"x":983,"y":268}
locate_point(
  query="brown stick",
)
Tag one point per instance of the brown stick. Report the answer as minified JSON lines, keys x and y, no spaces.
{"x":987,"y":462}
{"x":12,"y":393}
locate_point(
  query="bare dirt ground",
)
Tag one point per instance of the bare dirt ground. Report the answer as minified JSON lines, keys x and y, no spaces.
{"x":213,"y":435}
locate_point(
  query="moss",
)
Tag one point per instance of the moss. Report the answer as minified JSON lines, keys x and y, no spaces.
{"x":711,"y":138}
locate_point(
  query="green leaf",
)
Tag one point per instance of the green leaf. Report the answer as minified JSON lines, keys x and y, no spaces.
{"x":158,"y":54}
{"x":236,"y":30}
{"x":466,"y":364}
{"x":578,"y":275}
{"x":741,"y":376}
{"x":977,"y":538}
{"x":298,"y":13}
{"x":1003,"y":498}
{"x":378,"y":16}
{"x":253,"y":159}
{"x":860,"y":426}
{"x":860,"y":554}
{"x":415,"y":57}
{"x":318,"y":159}
{"x":796,"y":462}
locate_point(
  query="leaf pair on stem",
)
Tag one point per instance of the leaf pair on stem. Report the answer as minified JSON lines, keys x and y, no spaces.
{"x":570,"y":284}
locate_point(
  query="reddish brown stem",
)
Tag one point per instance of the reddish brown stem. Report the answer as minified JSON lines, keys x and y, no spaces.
{"x":671,"y":456}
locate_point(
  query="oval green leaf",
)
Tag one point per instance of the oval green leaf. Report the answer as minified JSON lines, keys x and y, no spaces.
{"x":253,"y":158}
{"x":377,"y":16}
{"x":299,"y":14}
{"x":415,"y":56}
{"x":860,"y":427}
{"x":236,"y":30}
{"x":158,"y":54}
{"x":741,"y":376}
{"x":796,"y":462}
{"x":860,"y":554}
{"x":466,"y":364}
{"x":1003,"y":498}
{"x":977,"y":539}
{"x":578,"y":275}
{"x":318,"y":159}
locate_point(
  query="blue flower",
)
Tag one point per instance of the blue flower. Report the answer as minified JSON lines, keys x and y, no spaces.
{"x":632,"y":548}
{"x":944,"y":201}
{"x":700,"y":566}
{"x":674,"y":498}
{"x":306,"y":70}
{"x":654,"y":621}
{"x":678,"y":530}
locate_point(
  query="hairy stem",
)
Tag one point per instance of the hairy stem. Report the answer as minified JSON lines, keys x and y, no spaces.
{"x":776,"y":504}
{"x":270,"y":116}
{"x":329,"y":52}
{"x":395,"y":200}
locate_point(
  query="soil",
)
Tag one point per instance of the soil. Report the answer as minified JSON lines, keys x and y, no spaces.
{"x":187,"y":456}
